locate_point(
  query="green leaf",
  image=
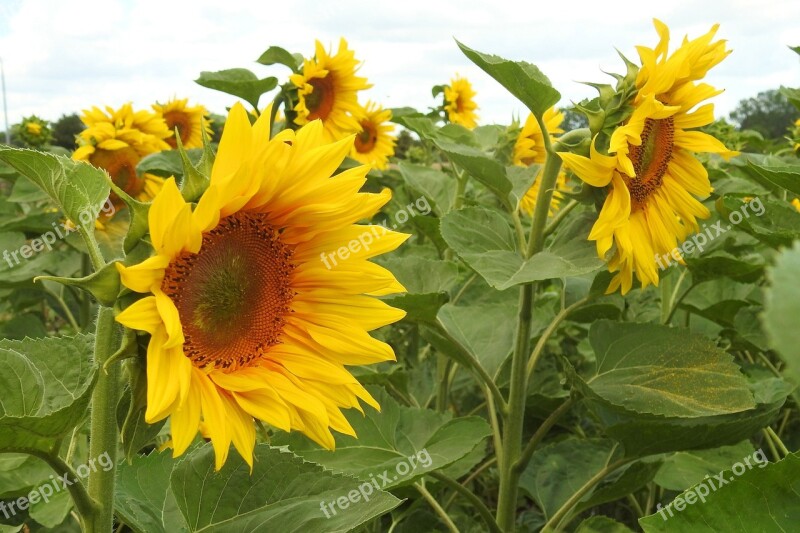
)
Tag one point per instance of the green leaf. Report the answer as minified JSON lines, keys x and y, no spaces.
{"x":485,"y":331}
{"x":75,"y":187}
{"x":480,"y":166}
{"x":143,"y":498}
{"x":778,"y":225}
{"x":658,"y":370}
{"x":167,"y":163}
{"x":754,"y":498}
{"x":277,"y":55}
{"x":602,"y":524}
{"x":793,"y":95}
{"x":400,"y":443}
{"x":46,"y":389}
{"x":135,"y":432}
{"x":485,"y":241}
{"x":283,"y":493}
{"x":426,"y":294}
{"x":745,"y":269}
{"x":435,"y":185}
{"x":558,"y":470}
{"x":103,"y":285}
{"x":25,"y":190}
{"x":782,"y":307}
{"x":621,"y":483}
{"x":238,"y":82}
{"x":784,"y":177}
{"x":522,"y":79}
{"x":683,"y":469}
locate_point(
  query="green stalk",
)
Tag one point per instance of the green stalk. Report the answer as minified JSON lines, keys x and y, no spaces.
{"x":103,"y":428}
{"x":436,"y":507}
{"x":512,"y":438}
{"x":84,"y":504}
{"x":471,"y":497}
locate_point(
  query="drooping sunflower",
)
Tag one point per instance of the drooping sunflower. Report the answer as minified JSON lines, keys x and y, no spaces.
{"x":459,"y":103}
{"x":252,"y":307}
{"x":328,"y":90}
{"x":33,"y":131}
{"x":116,"y":140}
{"x":190,"y":121}
{"x":655,"y":180}
{"x":529,"y":150}
{"x":374,"y":143}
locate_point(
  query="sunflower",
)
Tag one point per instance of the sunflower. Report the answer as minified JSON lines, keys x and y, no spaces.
{"x":116,"y":140}
{"x":259,"y":297}
{"x":459,"y":103}
{"x":374,"y":143}
{"x":655,"y":180}
{"x":796,"y":203}
{"x":190,"y":121}
{"x":328,"y":90}
{"x":529,"y":150}
{"x":33,"y":131}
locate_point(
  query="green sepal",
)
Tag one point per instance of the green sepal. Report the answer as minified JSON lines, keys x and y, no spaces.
{"x":103,"y":285}
{"x":196,"y":178}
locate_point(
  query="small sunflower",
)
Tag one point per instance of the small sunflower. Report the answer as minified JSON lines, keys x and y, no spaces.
{"x":796,"y":203}
{"x":253,"y":312}
{"x":33,"y":131}
{"x":116,"y":140}
{"x":328,"y":90}
{"x":655,"y":179}
{"x":529,"y":150}
{"x":459,"y":103}
{"x":190,"y":121}
{"x":374,"y":143}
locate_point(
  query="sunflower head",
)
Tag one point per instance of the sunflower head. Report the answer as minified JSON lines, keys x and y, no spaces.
{"x":33,"y":131}
{"x":116,"y":140}
{"x":374,"y":142}
{"x":529,"y":150}
{"x":459,"y":103}
{"x":189,"y":121}
{"x":328,"y":90}
{"x":654,"y":181}
{"x":253,"y":311}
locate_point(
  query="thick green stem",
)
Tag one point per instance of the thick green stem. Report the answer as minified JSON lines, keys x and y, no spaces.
{"x":512,"y":437}
{"x":103,"y":435}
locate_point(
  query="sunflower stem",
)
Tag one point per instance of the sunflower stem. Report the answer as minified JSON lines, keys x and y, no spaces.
{"x":103,"y":428}
{"x":512,"y":437}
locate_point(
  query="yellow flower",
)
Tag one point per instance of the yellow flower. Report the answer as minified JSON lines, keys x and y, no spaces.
{"x":117,"y":140}
{"x":459,"y":103}
{"x":374,"y":143}
{"x":190,"y":121}
{"x":259,"y":296}
{"x":654,"y":177}
{"x":33,"y":128}
{"x":328,"y":90}
{"x":796,"y":203}
{"x":529,"y":150}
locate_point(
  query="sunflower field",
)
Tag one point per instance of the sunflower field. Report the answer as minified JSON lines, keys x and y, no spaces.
{"x":320,"y":314}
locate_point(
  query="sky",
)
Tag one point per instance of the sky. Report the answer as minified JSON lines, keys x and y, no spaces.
{"x":61,"y":57}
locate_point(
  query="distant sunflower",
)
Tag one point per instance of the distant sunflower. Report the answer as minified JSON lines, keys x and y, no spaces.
{"x":459,"y":103}
{"x":529,"y":150}
{"x":190,"y":121}
{"x":252,"y":313}
{"x":374,"y":143}
{"x":796,"y":203}
{"x":34,"y":131}
{"x":117,"y":140}
{"x":654,"y":177}
{"x":328,"y":90}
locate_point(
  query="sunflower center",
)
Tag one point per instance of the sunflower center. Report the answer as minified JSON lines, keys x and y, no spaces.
{"x":320,"y":101}
{"x":121,"y":166}
{"x":366,"y":140}
{"x":651,"y":158}
{"x":177,"y":119}
{"x":234,"y":294}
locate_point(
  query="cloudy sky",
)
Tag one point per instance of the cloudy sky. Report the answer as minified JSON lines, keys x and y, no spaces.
{"x":61,"y":57}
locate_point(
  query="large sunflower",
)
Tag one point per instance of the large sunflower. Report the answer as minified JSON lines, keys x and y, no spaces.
{"x":190,"y":121}
{"x":116,"y":140}
{"x":529,"y":150}
{"x":328,"y":90}
{"x":374,"y":143}
{"x":654,"y":177}
{"x":459,"y":103}
{"x":259,"y":296}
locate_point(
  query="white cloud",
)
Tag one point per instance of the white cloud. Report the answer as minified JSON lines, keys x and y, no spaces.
{"x":61,"y":57}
